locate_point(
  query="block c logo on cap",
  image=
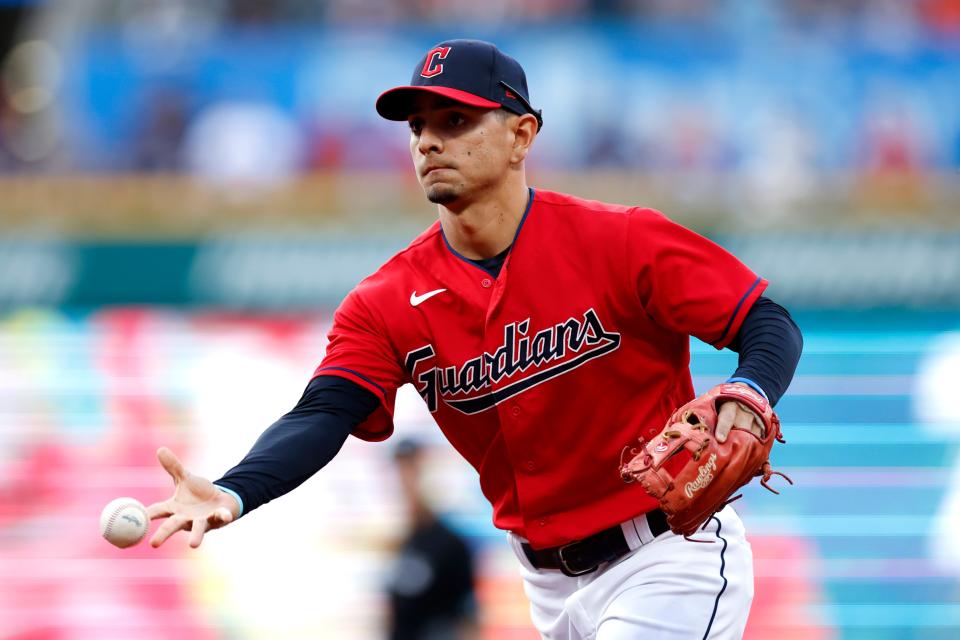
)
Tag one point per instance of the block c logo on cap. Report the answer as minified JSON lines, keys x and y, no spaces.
{"x":430,"y":66}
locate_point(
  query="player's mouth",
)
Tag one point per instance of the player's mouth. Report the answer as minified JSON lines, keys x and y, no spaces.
{"x":433,"y":167}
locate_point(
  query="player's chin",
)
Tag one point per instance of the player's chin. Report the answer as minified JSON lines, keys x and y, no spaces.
{"x":442,"y":193}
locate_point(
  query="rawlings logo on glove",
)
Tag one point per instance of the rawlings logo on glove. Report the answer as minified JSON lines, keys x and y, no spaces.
{"x":704,"y":476}
{"x":699,"y":489}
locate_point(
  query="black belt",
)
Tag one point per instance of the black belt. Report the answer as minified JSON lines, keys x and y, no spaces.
{"x":584,"y":556}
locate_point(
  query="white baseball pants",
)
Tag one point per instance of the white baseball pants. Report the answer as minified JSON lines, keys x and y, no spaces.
{"x":664,"y":589}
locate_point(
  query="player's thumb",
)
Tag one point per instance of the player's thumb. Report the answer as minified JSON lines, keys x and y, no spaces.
{"x":171,"y":464}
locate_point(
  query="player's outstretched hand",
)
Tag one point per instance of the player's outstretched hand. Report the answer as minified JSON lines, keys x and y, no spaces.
{"x":196,"y":505}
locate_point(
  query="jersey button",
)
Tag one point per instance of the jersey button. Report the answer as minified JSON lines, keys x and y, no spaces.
{"x":530,"y":465}
{"x":486,"y":283}
{"x":515,"y":411}
{"x":544,"y":522}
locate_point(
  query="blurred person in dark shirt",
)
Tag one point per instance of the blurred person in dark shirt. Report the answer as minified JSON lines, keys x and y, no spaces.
{"x":431,"y":585}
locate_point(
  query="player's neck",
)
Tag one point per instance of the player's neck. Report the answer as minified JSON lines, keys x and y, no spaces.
{"x":486,"y":228}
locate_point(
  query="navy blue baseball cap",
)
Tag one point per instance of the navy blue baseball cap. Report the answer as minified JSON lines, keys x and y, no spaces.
{"x":472,"y":72}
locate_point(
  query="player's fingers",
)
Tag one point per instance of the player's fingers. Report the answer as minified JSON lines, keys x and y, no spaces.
{"x":197,"y":528}
{"x":167,"y":529}
{"x":171,"y":463}
{"x":159,"y":510}
{"x":215,"y":520}
{"x":748,"y":417}
{"x":747,"y":420}
{"x":220,"y":517}
{"x":725,"y":420}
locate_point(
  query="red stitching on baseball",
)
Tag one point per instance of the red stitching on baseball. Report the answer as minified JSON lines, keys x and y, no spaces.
{"x":116,"y":512}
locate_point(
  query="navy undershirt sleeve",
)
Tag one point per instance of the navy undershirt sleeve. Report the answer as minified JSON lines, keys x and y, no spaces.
{"x":300,"y":443}
{"x":769,"y":343}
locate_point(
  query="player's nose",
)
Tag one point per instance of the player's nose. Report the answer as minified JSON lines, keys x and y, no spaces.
{"x":429,"y":141}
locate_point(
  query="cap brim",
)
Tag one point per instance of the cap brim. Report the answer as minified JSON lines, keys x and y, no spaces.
{"x":397,"y":103}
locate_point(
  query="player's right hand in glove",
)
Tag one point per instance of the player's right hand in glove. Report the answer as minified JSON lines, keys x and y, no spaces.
{"x":196,"y":505}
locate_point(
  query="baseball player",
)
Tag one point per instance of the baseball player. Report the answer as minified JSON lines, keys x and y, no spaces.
{"x":544,"y":332}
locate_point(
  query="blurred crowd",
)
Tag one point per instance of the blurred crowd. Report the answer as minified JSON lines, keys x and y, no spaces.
{"x":936,"y":15}
{"x":259,"y":90}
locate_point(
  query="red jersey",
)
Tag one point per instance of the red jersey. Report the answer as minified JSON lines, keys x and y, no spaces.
{"x":541,"y":376}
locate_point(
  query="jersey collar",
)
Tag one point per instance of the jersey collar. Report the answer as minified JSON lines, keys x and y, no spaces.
{"x":512,"y":243}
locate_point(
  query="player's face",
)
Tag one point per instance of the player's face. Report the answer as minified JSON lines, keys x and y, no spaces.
{"x":458,"y":151}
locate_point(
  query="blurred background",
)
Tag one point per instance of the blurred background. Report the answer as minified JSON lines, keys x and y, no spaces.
{"x":188,"y":189}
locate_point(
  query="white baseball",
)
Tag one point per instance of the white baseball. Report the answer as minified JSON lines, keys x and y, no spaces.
{"x":124,"y":522}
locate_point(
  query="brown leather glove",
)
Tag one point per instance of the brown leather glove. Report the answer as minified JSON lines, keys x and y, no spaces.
{"x":714,"y":470}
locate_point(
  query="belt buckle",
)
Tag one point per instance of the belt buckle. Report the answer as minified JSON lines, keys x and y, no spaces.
{"x":565,"y":568}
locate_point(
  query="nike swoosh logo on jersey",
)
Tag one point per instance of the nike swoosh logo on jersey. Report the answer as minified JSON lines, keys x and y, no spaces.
{"x":415,"y":299}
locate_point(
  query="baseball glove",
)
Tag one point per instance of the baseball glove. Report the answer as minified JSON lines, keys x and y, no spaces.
{"x":713,"y":471}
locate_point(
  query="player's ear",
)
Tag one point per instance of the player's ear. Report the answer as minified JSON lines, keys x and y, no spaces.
{"x":525,"y":130}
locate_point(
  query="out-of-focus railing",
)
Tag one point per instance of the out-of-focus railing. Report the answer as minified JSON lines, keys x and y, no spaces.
{"x":173,"y":206}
